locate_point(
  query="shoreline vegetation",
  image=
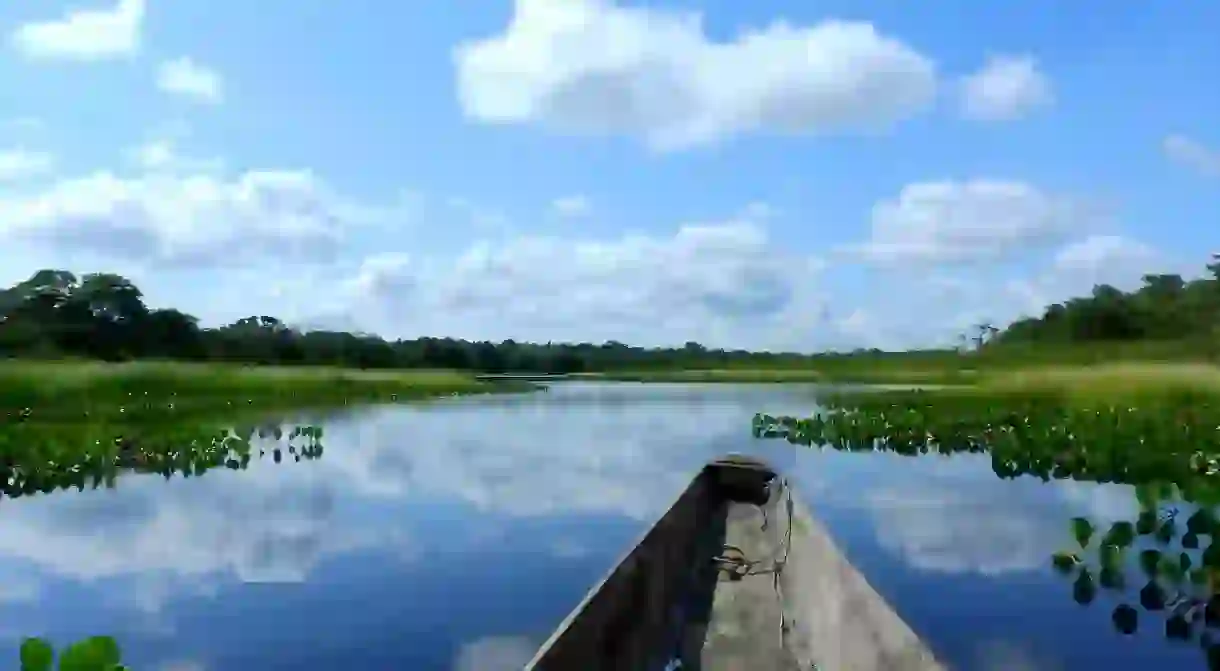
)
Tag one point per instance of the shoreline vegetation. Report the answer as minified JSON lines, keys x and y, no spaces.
{"x":1117,"y":379}
{"x":177,"y":391}
{"x":76,"y":342}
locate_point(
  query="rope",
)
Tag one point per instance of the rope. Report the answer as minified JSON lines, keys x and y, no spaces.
{"x":740,"y":566}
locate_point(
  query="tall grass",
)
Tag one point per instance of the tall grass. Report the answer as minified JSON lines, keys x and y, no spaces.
{"x":78,"y":388}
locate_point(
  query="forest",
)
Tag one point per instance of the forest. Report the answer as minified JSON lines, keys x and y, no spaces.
{"x":57,"y":314}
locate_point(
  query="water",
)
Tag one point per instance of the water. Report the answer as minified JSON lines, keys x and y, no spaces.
{"x":456,"y":534}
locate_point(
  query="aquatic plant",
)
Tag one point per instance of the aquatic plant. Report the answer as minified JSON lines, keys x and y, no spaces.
{"x":97,"y":653}
{"x":1166,"y":561}
{"x":1174,"y":435}
{"x":1169,"y":552}
{"x":40,"y":457}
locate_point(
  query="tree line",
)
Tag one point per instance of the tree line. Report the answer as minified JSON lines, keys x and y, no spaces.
{"x":56,"y":314}
{"x":1165,"y":307}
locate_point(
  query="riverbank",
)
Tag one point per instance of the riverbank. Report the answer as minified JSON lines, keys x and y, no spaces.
{"x":1096,"y":380}
{"x":182,"y":390}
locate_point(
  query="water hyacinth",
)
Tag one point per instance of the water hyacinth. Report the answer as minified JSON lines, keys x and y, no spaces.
{"x":97,"y":653}
{"x":41,"y":457}
{"x":1164,"y":564}
{"x":1175,"y":437}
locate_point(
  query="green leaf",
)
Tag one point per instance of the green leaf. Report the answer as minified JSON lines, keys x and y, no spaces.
{"x":1112,"y":578}
{"x":1146,"y":523}
{"x":1064,"y":562}
{"x":36,"y":655}
{"x":1082,"y":530}
{"x":1111,"y":556}
{"x":1149,"y":561}
{"x":1198,"y":577}
{"x":1211,"y":555}
{"x":1170,"y":569}
{"x":92,"y":654}
{"x":1125,"y":619}
{"x":1084,"y":590}
{"x":1121,"y":534}
{"x":1201,"y":522}
{"x":1152,"y":596}
{"x":1177,"y":628}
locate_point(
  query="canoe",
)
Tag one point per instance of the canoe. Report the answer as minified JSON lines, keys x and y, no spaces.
{"x":736,"y":575}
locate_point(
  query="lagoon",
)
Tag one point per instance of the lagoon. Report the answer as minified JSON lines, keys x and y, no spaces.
{"x":455,"y":534}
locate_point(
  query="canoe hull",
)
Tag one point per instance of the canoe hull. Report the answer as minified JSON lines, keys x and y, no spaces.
{"x":735,"y":575}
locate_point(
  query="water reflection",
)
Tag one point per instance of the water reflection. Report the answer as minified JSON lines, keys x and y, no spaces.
{"x":430,"y":537}
{"x":990,"y":492}
{"x":456,"y":535}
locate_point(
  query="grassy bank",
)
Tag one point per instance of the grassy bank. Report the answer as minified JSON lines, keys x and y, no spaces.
{"x":982,"y":374}
{"x":727,"y":375}
{"x":177,"y":390}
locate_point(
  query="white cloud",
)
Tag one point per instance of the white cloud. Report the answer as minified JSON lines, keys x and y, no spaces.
{"x":1193,"y":154}
{"x":200,"y":218}
{"x":274,"y":523}
{"x":1006,"y":88}
{"x":947,"y":532}
{"x":1079,"y":265}
{"x":185,"y":77}
{"x":21,"y":163}
{"x":162,"y":155}
{"x":711,"y":282}
{"x":977,"y":220}
{"x":572,"y":206}
{"x":84,"y":34}
{"x":593,"y":66}
{"x":1099,"y":252}
{"x":495,"y":653}
{"x":953,"y":516}
{"x":268,"y":533}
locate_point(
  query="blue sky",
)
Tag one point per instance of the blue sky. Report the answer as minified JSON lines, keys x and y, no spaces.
{"x":768,"y":174}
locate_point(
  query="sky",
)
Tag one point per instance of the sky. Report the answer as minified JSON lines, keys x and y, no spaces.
{"x":766,"y":175}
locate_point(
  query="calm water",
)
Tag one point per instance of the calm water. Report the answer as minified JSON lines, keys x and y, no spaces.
{"x":455,"y":535}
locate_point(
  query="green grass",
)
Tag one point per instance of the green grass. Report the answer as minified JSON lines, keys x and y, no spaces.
{"x":76,"y":388}
{"x":723,"y":375}
{"x":963,"y":374}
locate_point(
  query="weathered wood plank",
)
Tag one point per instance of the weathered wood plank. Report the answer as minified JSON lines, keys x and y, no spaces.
{"x":831,"y":616}
{"x":669,"y":598}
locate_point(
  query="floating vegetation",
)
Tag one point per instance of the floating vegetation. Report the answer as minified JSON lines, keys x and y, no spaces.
{"x":97,"y":653}
{"x":1164,"y":564}
{"x":1172,"y":436}
{"x":41,"y":457}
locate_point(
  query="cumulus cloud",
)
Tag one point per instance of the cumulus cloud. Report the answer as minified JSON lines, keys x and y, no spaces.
{"x":656,"y":74}
{"x":1098,"y":252}
{"x":954,"y":517}
{"x":495,"y":653}
{"x":572,"y":206}
{"x":175,"y":215}
{"x":184,"y":77}
{"x":259,"y":534}
{"x":1192,"y":154}
{"x":84,"y":34}
{"x":977,"y":220}
{"x":1079,"y":265}
{"x":1006,"y":88}
{"x":713,"y":282}
{"x":22,"y":163}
